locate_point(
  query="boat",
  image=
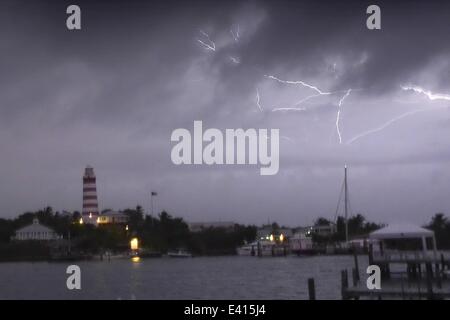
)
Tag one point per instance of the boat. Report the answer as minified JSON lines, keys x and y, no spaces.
{"x":263,"y":248}
{"x":179,"y":254}
{"x":248,"y":249}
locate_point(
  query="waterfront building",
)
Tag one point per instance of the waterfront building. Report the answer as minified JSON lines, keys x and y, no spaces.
{"x":409,"y":264}
{"x":269,"y":233}
{"x":405,"y":237}
{"x":324,"y":230}
{"x":90,"y":201}
{"x":112,"y":217}
{"x":300,"y":242}
{"x":36,"y":231}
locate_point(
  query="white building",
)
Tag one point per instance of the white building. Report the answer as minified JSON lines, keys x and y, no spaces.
{"x":301,"y":241}
{"x":36,"y":231}
{"x":400,"y":233}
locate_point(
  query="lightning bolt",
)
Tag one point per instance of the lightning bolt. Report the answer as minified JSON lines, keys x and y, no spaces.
{"x":428,"y":93}
{"x":304,"y":84}
{"x":286,"y":138}
{"x":338,"y":116}
{"x":299,"y":82}
{"x":288,"y":109}
{"x":234,"y":60}
{"x":235,"y":35}
{"x":343,"y":98}
{"x":258,"y":99}
{"x":295,"y":106}
{"x":387,"y":124}
{"x":338,"y":130}
{"x":208,"y":44}
{"x":282,"y":138}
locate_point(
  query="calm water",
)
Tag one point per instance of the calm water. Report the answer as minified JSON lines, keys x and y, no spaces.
{"x":168,"y":278}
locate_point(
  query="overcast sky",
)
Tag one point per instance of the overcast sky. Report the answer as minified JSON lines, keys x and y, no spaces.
{"x":111,"y":94}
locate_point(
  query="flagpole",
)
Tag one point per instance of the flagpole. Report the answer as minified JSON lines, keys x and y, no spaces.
{"x":152,"y":193}
{"x":151,"y":203}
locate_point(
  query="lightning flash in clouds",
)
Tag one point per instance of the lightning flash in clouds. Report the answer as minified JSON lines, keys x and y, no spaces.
{"x":207,"y":43}
{"x":428,"y":93}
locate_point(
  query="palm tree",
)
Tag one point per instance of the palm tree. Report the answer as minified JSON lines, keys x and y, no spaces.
{"x":438,"y":222}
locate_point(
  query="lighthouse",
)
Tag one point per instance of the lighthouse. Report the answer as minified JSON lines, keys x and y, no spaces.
{"x":90,"y":202}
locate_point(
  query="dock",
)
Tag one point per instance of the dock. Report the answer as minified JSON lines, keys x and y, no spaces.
{"x":422,"y":275}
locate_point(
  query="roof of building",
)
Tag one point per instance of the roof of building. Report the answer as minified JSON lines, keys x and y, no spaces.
{"x":35,"y":227}
{"x":401,"y":230}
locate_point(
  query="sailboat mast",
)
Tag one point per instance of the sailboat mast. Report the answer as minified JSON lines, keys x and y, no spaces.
{"x":346,"y":203}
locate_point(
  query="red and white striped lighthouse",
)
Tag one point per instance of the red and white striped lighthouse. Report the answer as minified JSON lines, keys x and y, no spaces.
{"x":90,"y":202}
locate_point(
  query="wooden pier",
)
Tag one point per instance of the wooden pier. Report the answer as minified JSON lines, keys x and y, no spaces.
{"x":425,"y":275}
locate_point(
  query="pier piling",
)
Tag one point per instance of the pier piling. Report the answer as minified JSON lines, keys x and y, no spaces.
{"x":429,"y":277}
{"x":311,"y":289}
{"x":355,"y":256}
{"x":344,"y":284}
{"x":355,"y":277}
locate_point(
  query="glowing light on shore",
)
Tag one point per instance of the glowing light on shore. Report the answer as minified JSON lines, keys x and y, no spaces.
{"x":134,"y":244}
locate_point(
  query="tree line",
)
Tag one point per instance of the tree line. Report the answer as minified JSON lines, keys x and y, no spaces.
{"x":164,"y":232}
{"x":160,"y":233}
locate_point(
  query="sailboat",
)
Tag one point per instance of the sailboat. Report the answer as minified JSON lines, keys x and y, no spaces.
{"x":344,"y":191}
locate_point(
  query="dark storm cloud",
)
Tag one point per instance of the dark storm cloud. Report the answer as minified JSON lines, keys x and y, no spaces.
{"x":111,"y":94}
